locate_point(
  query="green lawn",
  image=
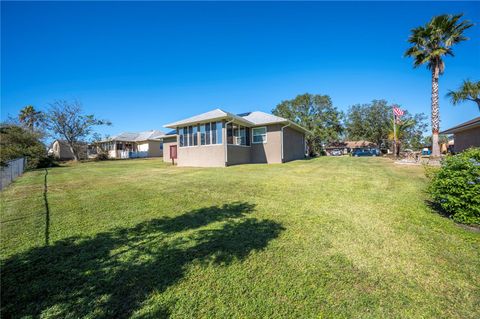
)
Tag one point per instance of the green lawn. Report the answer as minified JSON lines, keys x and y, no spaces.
{"x":323,"y":238}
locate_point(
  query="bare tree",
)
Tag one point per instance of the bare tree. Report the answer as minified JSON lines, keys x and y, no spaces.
{"x":66,"y":120}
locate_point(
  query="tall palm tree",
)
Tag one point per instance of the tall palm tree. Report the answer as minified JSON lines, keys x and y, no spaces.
{"x":430,"y":44}
{"x":469,"y":91}
{"x":30,"y":117}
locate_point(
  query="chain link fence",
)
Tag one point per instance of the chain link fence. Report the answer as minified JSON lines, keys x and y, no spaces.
{"x":11,"y":171}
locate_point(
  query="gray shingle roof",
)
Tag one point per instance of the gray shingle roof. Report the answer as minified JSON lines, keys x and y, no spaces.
{"x":216,"y":114}
{"x":258,"y":118}
{"x":137,"y":136}
{"x":249,"y":119}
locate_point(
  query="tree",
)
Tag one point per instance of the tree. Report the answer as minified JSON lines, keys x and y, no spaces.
{"x":469,"y":91}
{"x":16,"y":141}
{"x":30,"y":118}
{"x":430,"y":44}
{"x":317,"y":114}
{"x":369,"y":121}
{"x":374,"y":122}
{"x":408,"y":131}
{"x":66,"y":121}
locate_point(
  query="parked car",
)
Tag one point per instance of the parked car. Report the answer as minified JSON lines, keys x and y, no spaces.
{"x":336,"y":153}
{"x":365,"y":152}
{"x":426,"y":151}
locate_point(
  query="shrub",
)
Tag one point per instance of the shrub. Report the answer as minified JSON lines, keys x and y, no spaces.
{"x":455,"y":187}
{"x":102,"y":156}
{"x":15,"y":142}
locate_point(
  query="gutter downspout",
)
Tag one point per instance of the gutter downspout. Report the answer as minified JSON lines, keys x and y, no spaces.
{"x":282,"y":140}
{"x":225,"y":141}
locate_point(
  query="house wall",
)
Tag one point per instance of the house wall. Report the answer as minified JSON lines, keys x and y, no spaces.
{"x":293,"y":145}
{"x":201,"y":156}
{"x":153,"y":148}
{"x":238,"y":154}
{"x":62,"y":151}
{"x":269,"y":152}
{"x":167,"y":141}
{"x":466,"y":139}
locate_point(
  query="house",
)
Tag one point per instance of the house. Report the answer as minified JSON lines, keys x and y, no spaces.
{"x":60,"y":150}
{"x":348,"y":146}
{"x":465,"y":135}
{"x":220,"y":138}
{"x":132,"y":145}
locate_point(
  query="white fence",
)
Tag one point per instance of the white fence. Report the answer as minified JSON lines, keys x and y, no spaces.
{"x":10,"y":172}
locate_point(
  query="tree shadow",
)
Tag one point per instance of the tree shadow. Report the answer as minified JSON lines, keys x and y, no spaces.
{"x":47,"y":208}
{"x":113,"y":273}
{"x":436,"y":208}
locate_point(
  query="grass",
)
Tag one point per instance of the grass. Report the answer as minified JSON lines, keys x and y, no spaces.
{"x":323,"y":238}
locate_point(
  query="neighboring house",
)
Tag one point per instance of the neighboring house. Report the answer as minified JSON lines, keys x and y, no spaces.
{"x":133,"y":145}
{"x":348,"y":146}
{"x":61,"y":150}
{"x":219,"y":138}
{"x":465,"y":135}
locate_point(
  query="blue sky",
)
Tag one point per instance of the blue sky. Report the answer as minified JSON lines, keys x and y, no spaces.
{"x":142,"y":65}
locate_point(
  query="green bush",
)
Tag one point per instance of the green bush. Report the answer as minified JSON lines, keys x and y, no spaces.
{"x":455,"y":187}
{"x":15,"y":142}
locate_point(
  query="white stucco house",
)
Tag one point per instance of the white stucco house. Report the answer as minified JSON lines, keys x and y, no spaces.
{"x":132,"y":145}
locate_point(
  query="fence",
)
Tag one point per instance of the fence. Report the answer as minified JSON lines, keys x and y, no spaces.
{"x":130,"y":154}
{"x":10,"y":172}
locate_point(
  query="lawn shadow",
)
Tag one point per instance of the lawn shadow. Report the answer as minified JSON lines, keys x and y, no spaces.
{"x":436,"y":208}
{"x":111,"y":274}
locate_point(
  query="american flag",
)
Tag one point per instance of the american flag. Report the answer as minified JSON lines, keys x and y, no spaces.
{"x":397,"y":111}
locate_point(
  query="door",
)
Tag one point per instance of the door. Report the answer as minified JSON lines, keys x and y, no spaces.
{"x":173,"y":152}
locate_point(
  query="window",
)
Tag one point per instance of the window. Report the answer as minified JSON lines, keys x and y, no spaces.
{"x":259,"y":135}
{"x":182,"y":132}
{"x":207,"y":134}
{"x":202,"y":134}
{"x":214,"y":132}
{"x":161,"y":145}
{"x":195,"y":135}
{"x":238,"y":134}
{"x":190,"y":136}
{"x":219,"y":132}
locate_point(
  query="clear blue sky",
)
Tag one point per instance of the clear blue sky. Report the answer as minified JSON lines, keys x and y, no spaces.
{"x":142,"y":65}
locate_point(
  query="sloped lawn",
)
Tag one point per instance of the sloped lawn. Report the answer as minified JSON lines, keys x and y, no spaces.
{"x":322,"y":238}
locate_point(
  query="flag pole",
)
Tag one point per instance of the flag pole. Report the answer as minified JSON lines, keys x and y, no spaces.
{"x":394,"y":133}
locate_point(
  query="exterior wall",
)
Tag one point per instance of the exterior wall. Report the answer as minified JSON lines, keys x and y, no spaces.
{"x":201,"y":156}
{"x":466,"y":139}
{"x":62,"y":151}
{"x":269,"y":152}
{"x":112,"y":154}
{"x":238,"y":154}
{"x":293,"y":145}
{"x":153,"y":148}
{"x":167,"y":141}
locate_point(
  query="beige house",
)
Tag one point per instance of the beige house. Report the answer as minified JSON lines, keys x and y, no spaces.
{"x":132,"y":145}
{"x":220,"y":138}
{"x":465,"y":135}
{"x":60,"y":150}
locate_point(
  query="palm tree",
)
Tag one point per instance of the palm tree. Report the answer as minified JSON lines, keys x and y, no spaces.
{"x":398,"y":134}
{"x":469,"y":91}
{"x":430,"y":44}
{"x":30,"y":117}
